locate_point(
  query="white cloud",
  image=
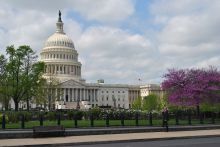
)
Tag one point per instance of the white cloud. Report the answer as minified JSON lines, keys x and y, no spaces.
{"x":105,"y":10}
{"x":112,"y":53}
{"x":190,"y":31}
{"x":99,"y":10}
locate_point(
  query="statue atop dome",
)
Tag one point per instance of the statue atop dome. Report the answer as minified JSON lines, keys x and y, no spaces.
{"x":59,"y":19}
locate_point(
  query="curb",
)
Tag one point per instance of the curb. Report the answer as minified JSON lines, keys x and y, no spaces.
{"x":121,"y":141}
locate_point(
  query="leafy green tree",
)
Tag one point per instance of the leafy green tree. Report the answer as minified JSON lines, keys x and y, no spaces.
{"x":137,"y":104}
{"x":23,"y":73}
{"x":4,"y":98}
{"x":151,"y":102}
{"x":53,"y":91}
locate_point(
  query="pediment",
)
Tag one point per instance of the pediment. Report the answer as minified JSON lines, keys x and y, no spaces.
{"x":72,"y":83}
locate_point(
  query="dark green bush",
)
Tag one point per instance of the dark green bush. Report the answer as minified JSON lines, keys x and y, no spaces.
{"x":78,"y":114}
{"x":13,"y":116}
{"x":6,"y":118}
{"x":51,"y":115}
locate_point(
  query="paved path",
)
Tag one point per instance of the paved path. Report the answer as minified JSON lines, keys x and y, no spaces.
{"x":91,"y":139}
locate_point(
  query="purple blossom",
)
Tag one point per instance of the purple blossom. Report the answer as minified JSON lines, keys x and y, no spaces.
{"x":191,"y":87}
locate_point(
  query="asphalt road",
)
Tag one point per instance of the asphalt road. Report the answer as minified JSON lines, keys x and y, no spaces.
{"x":196,"y":142}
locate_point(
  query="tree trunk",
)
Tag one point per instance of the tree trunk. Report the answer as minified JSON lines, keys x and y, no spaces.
{"x":198,"y":110}
{"x":6,"y":104}
{"x":27,"y":104}
{"x":16,"y":105}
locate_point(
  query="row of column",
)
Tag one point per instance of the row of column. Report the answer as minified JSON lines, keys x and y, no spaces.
{"x":59,"y":56}
{"x":133,"y":94}
{"x":63,"y":69}
{"x":79,"y":94}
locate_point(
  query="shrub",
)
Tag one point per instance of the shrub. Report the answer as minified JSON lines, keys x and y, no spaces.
{"x":27,"y":115}
{"x":96,"y":112}
{"x":78,"y":114}
{"x":6,"y":118}
{"x":13,"y":117}
{"x":51,"y":115}
{"x":70,"y":114}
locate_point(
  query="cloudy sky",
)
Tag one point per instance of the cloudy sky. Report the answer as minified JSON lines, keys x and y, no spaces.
{"x":121,"y":41}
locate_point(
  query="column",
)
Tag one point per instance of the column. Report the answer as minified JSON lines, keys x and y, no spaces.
{"x":63,"y":69}
{"x":80,"y":94}
{"x":56,"y":95}
{"x":53,"y":69}
{"x":87,"y":95}
{"x":64,"y":89}
{"x":76,"y":94}
{"x":76,"y":71}
{"x":93,"y":95}
{"x":89,"y":92}
{"x":73,"y":94}
{"x":69,"y":96}
{"x":84,"y":94}
{"x":79,"y":71}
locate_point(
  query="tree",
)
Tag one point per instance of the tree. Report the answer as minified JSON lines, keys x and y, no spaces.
{"x":23,"y":73}
{"x":151,"y":102}
{"x":52,"y":91}
{"x":192,"y":87}
{"x":4,"y":98}
{"x":137,"y":103}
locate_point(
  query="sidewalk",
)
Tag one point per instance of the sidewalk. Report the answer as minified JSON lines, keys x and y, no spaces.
{"x":94,"y":139}
{"x":28,"y":133}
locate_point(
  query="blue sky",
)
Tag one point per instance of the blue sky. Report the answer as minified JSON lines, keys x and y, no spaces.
{"x":121,"y":40}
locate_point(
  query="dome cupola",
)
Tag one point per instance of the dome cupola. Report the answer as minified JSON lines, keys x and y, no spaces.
{"x":60,"y":56}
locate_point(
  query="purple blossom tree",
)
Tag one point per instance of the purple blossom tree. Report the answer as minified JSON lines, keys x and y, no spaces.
{"x":192,"y":87}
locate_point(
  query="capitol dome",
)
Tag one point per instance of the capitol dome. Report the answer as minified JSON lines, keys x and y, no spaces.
{"x":59,"y":39}
{"x":60,"y":56}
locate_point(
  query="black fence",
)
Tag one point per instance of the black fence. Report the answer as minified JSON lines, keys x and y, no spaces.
{"x":74,"y":119}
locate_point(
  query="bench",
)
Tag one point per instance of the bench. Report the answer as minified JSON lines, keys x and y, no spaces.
{"x":48,"y":131}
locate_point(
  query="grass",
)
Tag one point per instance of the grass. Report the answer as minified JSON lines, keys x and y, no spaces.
{"x":102,"y":123}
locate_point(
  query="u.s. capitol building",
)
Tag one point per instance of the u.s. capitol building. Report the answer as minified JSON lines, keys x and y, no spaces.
{"x":61,"y":59}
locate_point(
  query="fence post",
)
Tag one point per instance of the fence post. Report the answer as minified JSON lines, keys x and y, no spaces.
{"x":177,"y":117}
{"x":163,"y":119}
{"x":41,"y":119}
{"x":136,"y":119}
{"x":75,"y":119}
{"x":3,"y":121}
{"x":58,"y":119}
{"x":107,"y":119}
{"x":189,"y":117}
{"x":91,"y":120}
{"x":122,"y":119}
{"x":150,"y":119}
{"x":22,"y":121}
{"x":213,"y":117}
{"x":201,"y":118}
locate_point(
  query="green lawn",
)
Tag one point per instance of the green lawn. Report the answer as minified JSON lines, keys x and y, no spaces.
{"x":102,"y":123}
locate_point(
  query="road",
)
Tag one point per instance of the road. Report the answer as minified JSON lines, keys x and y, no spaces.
{"x":196,"y":142}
